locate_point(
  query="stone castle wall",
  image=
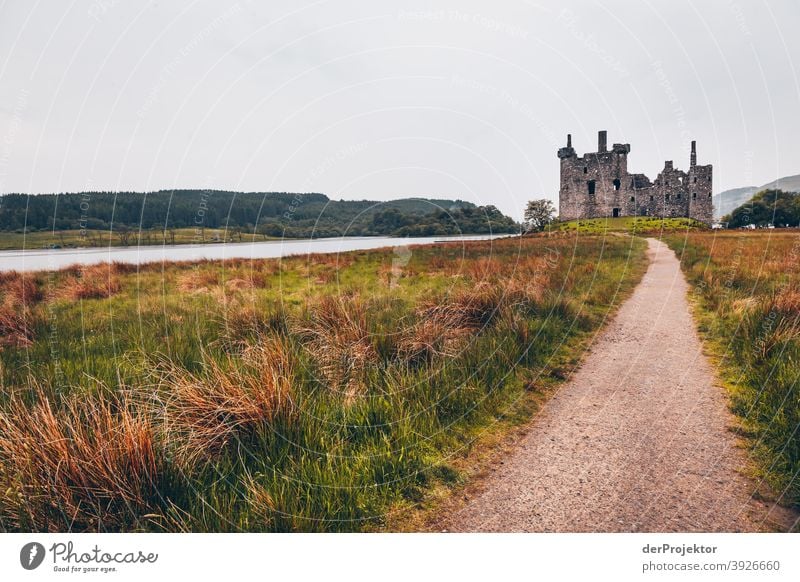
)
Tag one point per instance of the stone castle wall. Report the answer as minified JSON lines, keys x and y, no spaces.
{"x":599,"y":185}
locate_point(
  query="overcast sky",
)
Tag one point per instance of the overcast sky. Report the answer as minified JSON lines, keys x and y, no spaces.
{"x":378,"y":99}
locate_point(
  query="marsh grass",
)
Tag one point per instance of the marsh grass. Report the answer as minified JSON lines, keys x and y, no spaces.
{"x":203,"y":413}
{"x":16,"y":327}
{"x":337,"y":335}
{"x":84,"y":464}
{"x":748,"y":290}
{"x":313,"y":396}
{"x":93,"y":282}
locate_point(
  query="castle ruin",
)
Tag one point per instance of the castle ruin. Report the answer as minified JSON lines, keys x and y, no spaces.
{"x":598,"y":185}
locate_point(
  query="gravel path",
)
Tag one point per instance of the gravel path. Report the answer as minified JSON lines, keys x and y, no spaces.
{"x":638,"y":440}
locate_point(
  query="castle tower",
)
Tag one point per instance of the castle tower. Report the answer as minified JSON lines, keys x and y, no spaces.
{"x":566,"y":202}
{"x":596,"y":184}
{"x":700,"y":188}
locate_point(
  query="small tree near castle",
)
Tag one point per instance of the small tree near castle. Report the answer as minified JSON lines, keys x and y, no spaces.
{"x":538,"y":214}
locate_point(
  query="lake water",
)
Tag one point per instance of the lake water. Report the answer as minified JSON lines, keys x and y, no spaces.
{"x":54,"y":259}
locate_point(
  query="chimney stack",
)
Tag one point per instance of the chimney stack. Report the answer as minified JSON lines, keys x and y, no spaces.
{"x":601,"y":141}
{"x":569,"y":140}
{"x":693,"y":156}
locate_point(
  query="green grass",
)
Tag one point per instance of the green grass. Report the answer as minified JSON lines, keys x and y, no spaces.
{"x":628,"y":224}
{"x":747,"y":294}
{"x":323,"y":393}
{"x":105,"y":238}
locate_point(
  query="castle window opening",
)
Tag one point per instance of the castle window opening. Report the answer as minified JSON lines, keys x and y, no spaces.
{"x":633,"y":199}
{"x":678,"y":196}
{"x":694,"y":195}
{"x":616,"y":184}
{"x":652,"y":198}
{"x":590,"y":186}
{"x":695,"y":179}
{"x":616,"y":212}
{"x":666,"y":197}
{"x":585,"y":170}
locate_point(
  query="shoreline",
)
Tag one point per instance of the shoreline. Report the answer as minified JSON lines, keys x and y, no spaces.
{"x":32,"y":260}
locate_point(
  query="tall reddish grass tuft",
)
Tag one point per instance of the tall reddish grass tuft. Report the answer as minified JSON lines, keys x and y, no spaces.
{"x":256,"y":279}
{"x":120,"y":268}
{"x":244,"y":320}
{"x":91,"y":282}
{"x":206,"y":412}
{"x":485,"y":270}
{"x":777,"y":321}
{"x":20,"y":290}
{"x":470,"y":309}
{"x":16,"y":329}
{"x":197,"y":281}
{"x":787,"y":301}
{"x":238,"y":283}
{"x":337,"y":336}
{"x":91,"y":464}
{"x":430,"y":338}
{"x":442,"y":326}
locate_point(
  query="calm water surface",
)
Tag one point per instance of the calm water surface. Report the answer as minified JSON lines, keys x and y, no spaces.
{"x":54,"y":259}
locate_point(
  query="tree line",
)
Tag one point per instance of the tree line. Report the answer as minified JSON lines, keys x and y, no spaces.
{"x":269,"y":213}
{"x":774,"y":207}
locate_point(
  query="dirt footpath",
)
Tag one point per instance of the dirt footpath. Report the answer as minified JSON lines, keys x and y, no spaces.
{"x":638,"y":440}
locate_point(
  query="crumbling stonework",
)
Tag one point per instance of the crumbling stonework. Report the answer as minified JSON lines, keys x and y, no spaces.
{"x":598,"y":185}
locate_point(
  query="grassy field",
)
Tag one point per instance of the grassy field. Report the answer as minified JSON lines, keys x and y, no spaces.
{"x":319,"y":393}
{"x":628,"y":224}
{"x":105,"y":238}
{"x":747,"y":286}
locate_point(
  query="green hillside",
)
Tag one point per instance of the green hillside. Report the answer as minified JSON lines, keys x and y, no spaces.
{"x":629,"y":224}
{"x":269,"y":214}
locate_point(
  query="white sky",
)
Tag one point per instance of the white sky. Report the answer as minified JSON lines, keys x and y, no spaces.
{"x":365,"y":99}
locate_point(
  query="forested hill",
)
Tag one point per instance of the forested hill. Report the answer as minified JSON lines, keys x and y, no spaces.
{"x":268,"y":213}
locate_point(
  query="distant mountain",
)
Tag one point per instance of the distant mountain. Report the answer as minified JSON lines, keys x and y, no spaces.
{"x":725,"y":202}
{"x":268,"y":213}
{"x":787,"y":184}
